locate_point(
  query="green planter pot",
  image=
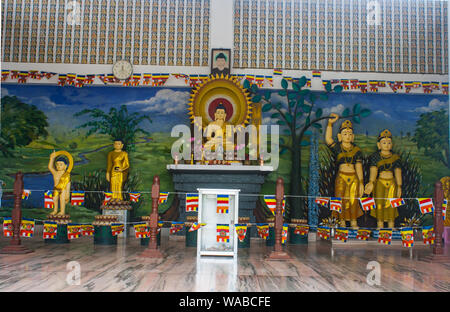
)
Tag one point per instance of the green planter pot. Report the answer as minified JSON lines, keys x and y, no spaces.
{"x":191,"y":238}
{"x":145,"y":241}
{"x":61,"y":235}
{"x":297,"y":239}
{"x":103,"y":235}
{"x":246,"y":242}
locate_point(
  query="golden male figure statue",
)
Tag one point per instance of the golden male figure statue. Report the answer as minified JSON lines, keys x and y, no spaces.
{"x":216,"y":131}
{"x":349,"y":184}
{"x":61,"y":177}
{"x":385,"y":180}
{"x":117,"y":169}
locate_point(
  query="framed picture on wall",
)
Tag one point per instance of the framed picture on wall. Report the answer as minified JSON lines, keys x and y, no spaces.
{"x":220,"y":61}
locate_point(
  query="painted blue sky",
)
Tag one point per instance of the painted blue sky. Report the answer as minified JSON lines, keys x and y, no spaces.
{"x":168,"y":106}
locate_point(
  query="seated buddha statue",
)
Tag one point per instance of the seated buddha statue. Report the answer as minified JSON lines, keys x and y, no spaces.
{"x":218,"y":139}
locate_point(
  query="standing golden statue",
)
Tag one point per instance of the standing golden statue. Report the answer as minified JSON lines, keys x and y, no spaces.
{"x":446,"y":188}
{"x":61,"y":177}
{"x":349,"y":184}
{"x":117,"y":169}
{"x":385,"y":180}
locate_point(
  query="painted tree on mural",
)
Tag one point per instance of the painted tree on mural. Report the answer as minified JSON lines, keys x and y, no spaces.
{"x":431,"y":134}
{"x":118,"y":124}
{"x":297,"y":115}
{"x":21,"y":124}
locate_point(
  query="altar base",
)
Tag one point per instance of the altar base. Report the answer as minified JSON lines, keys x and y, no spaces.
{"x":61,"y":230}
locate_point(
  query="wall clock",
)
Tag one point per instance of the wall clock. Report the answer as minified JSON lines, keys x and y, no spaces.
{"x":122,"y":69}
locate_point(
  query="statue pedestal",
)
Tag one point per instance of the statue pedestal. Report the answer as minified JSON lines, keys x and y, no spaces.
{"x":248,"y":179}
{"x":102,"y":230}
{"x":61,"y":230}
{"x":120,"y":210}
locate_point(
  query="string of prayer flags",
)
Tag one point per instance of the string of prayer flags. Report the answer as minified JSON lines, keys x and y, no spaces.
{"x":363,"y":234}
{"x":385,"y":236}
{"x":263,"y":230}
{"x":336,"y":204}
{"x":308,"y":82}
{"x":147,"y":78}
{"x":14,"y":74}
{"x":277,"y":72}
{"x":241,"y":231}
{"x":367,"y":203}
{"x":284,"y":233}
{"x":259,"y":80}
{"x":108,"y":197}
{"x":316,"y":74}
{"x":77,"y":198}
{"x":175,"y":227}
{"x":373,"y":85}
{"x":396,"y":202}
{"x":117,"y":228}
{"x":87,"y":230}
{"x":323,"y":232}
{"x":344,"y":84}
{"x":428,"y":235}
{"x":223,"y":203}
{"x":27,"y":228}
{"x":141,"y":230}
{"x":191,"y":202}
{"x":341,"y":234}
{"x":323,"y":201}
{"x":73,"y":230}
{"x":445,"y":88}
{"x":354,"y":84}
{"x":163,"y":197}
{"x":26,"y":194}
{"x":134,"y":197}
{"x":136,"y":79}
{"x":301,"y":230}
{"x":363,"y":86}
{"x":7,"y":227}
{"x":195,"y":226}
{"x":5,"y":74}
{"x":223,"y":233}
{"x":270,"y":80}
{"x":407,"y":237}
{"x":23,"y":75}
{"x":48,"y":199}
{"x":62,"y":79}
{"x":325,"y":82}
{"x":425,"y":205}
{"x":444,"y":209}
{"x":50,"y":230}
{"x":271,"y":202}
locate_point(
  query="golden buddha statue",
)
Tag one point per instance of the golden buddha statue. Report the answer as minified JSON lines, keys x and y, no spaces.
{"x":385,"y":180}
{"x":216,"y":132}
{"x":117,"y":170}
{"x":61,"y":177}
{"x":349,"y":180}
{"x":446,"y":188}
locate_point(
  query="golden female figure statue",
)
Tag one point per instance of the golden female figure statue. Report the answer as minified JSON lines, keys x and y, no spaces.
{"x":385,"y":180}
{"x":117,"y":170}
{"x":61,"y":177}
{"x":349,"y":180}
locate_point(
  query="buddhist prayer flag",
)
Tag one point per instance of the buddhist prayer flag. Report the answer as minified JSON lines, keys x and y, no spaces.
{"x":428,"y":235}
{"x":117,"y":228}
{"x":7,"y":227}
{"x":284,"y":233}
{"x":195,"y":226}
{"x":223,"y":233}
{"x":134,"y":197}
{"x":271,"y":202}
{"x":341,"y":234}
{"x":301,"y":230}
{"x":367,"y":203}
{"x":175,"y":227}
{"x":263,"y":230}
{"x":163,"y":197}
{"x":354,"y":84}
{"x":50,"y":230}
{"x":73,"y":230}
{"x":425,"y":205}
{"x":259,"y":80}
{"x":77,"y":198}
{"x":160,"y":225}
{"x":147,"y":78}
{"x":385,"y":236}
{"x":48,"y":199}
{"x":223,"y":203}
{"x":336,"y":204}
{"x":407,"y":237}
{"x":396,"y":202}
{"x":108,"y":196}
{"x":27,"y":228}
{"x":323,"y":232}
{"x":363,"y":234}
{"x":444,"y":209}
{"x":241,"y":231}
{"x":26,"y":194}
{"x":87,"y":230}
{"x":277,"y":72}
{"x":270,"y":80}
{"x":141,"y":230}
{"x":316,"y":74}
{"x":322,"y":201}
{"x":191,"y":202}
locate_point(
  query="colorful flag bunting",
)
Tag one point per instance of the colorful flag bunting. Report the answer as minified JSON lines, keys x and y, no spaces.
{"x":87,"y":230}
{"x":322,"y":201}
{"x":77,"y":198}
{"x":385,"y":236}
{"x":50,"y":230}
{"x":323,"y":232}
{"x":407,"y":237}
{"x":367,"y":203}
{"x":336,"y":204}
{"x":134,"y":197}
{"x":163,"y":197}
{"x":284,"y":233}
{"x":263,"y":230}
{"x":277,"y":72}
{"x":195,"y":226}
{"x":48,"y":199}
{"x":363,"y":234}
{"x":444,"y":209}
{"x":397,"y":202}
{"x":301,"y":230}
{"x":316,"y":74}
{"x":7,"y":227}
{"x":26,"y":194}
{"x":141,"y":230}
{"x":223,"y":203}
{"x":428,"y":235}
{"x":117,"y":228}
{"x":108,"y":197}
{"x":341,"y":234}
{"x":27,"y":227}
{"x":241,"y":231}
{"x":73,"y":230}
{"x":425,"y":205}
{"x":175,"y":227}
{"x":191,"y":202}
{"x":223,"y":233}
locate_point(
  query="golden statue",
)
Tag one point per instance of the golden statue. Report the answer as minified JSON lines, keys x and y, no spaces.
{"x":61,"y":177}
{"x":349,"y":180}
{"x":117,"y":170}
{"x":446,"y":188}
{"x":385,"y":180}
{"x":216,"y":132}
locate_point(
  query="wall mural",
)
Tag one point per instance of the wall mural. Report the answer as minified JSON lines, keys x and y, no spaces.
{"x":38,"y":120}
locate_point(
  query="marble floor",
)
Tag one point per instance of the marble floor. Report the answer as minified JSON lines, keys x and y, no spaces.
{"x":314,"y":267}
